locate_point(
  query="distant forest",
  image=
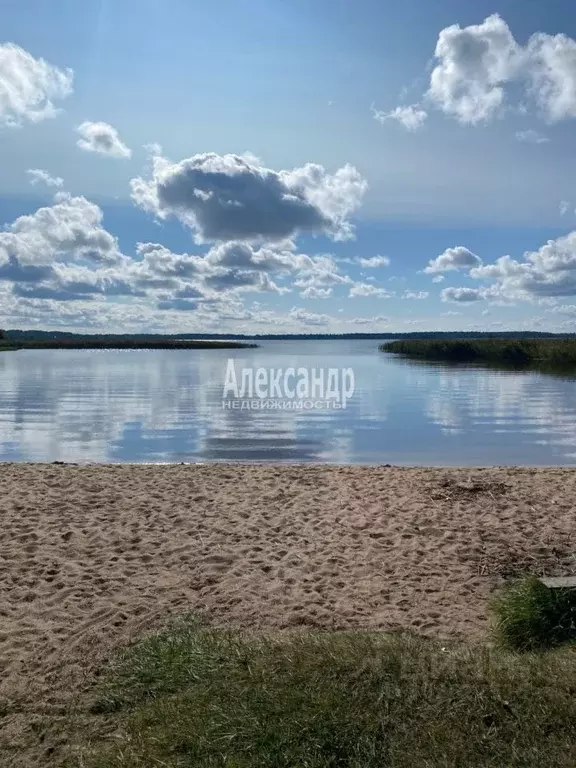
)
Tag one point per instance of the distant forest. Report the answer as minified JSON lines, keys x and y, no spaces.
{"x":16,"y":335}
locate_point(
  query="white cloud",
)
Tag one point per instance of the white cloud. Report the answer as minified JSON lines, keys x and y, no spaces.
{"x":477,"y":65}
{"x":564,"y":207}
{"x":102,"y":139}
{"x":223,"y":270}
{"x":461,"y":295}
{"x":542,"y":276}
{"x":37,"y":176}
{"x":415,"y":295}
{"x":85,"y":315}
{"x":316,"y":293}
{"x":308,"y":318}
{"x":235,"y":255}
{"x":453,"y":258}
{"x":62,"y":257}
{"x":363,"y":290}
{"x":318,"y":273}
{"x":160,"y":267}
{"x":532,"y":137}
{"x":438,"y":279}
{"x":154,"y":149}
{"x":548,"y":272}
{"x":70,"y":229}
{"x":232,"y":197}
{"x":235,"y":267}
{"x":473,"y":64}
{"x":379,"y":319}
{"x":374,"y":262}
{"x":552,"y":69}
{"x":411,"y":117}
{"x":65,"y":282}
{"x":28,"y":86}
{"x":225,"y":280}
{"x":563,"y":309}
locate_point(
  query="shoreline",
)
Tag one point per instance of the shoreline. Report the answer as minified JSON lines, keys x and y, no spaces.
{"x":285,"y":464}
{"x":93,"y":555}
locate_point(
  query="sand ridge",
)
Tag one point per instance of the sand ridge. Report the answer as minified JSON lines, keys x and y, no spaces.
{"x":92,"y":555}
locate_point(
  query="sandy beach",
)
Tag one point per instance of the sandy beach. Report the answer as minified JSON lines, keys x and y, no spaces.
{"x":92,"y":556}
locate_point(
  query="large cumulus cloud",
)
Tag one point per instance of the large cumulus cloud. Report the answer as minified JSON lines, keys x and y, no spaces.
{"x":233,"y":197}
{"x":29,"y":87}
{"x":473,"y":64}
{"x":480,"y":69}
{"x":452,"y":259}
{"x":68,"y":230}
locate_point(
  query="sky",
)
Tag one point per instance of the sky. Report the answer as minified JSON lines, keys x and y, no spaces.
{"x":323,"y":166}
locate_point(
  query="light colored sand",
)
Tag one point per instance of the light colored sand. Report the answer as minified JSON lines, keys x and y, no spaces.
{"x":89,"y":556}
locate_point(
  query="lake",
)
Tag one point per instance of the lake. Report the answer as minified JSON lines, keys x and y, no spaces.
{"x":166,"y":406}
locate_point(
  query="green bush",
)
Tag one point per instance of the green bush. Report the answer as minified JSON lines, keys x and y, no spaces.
{"x":530,"y":616}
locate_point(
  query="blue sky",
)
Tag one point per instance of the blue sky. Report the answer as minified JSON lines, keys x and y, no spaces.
{"x":476,"y":164}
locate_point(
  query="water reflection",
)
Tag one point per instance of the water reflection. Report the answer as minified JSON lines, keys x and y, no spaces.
{"x":162,"y":405}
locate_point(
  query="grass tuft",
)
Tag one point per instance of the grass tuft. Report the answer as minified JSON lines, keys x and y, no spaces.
{"x":530,"y":616}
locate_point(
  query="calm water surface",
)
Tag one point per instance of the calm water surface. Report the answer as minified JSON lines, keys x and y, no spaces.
{"x":164,"y":406}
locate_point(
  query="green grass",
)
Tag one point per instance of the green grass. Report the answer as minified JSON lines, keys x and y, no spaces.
{"x":530,"y":616}
{"x":194,"y":698}
{"x":561,"y":352}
